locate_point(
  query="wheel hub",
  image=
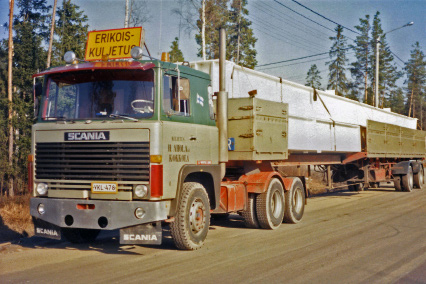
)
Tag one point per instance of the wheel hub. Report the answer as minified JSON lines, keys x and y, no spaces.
{"x":197,"y":216}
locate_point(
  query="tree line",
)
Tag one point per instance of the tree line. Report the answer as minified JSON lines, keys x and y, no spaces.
{"x":408,"y":100}
{"x":31,"y":25}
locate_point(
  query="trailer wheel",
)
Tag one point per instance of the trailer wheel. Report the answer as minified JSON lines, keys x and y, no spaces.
{"x":249,"y":215}
{"x":397,"y":182}
{"x":270,"y":205}
{"x":79,"y":236}
{"x":192,"y":221}
{"x":408,"y":180}
{"x":419,"y":178}
{"x":374,"y":184}
{"x":294,"y":203}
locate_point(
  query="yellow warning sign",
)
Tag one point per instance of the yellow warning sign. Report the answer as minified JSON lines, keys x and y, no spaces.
{"x":112,"y":44}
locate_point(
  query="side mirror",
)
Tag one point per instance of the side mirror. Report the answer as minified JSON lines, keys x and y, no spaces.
{"x":38,"y":89}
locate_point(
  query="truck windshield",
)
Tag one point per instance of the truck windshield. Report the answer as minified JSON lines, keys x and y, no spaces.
{"x":99,"y":94}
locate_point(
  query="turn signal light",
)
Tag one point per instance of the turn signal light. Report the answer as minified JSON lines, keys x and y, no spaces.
{"x":156,"y":159}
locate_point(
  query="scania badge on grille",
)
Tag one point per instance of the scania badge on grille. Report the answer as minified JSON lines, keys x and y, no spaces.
{"x":86,"y":136}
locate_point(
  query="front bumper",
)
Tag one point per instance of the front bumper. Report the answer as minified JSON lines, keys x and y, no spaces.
{"x":117,"y":214}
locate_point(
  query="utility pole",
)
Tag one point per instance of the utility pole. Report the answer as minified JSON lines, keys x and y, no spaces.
{"x":52,"y":29}
{"x":126,"y":18}
{"x":376,"y":91}
{"x":9,"y":93}
{"x":203,"y":28}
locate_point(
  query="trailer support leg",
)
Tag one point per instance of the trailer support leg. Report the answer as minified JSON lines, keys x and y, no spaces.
{"x":329,"y":181}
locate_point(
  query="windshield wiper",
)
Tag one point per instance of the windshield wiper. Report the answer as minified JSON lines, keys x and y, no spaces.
{"x":112,"y":115}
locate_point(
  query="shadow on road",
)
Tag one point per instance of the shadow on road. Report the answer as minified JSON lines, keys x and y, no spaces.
{"x":7,"y":234}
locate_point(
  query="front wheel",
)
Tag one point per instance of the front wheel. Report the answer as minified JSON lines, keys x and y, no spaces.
{"x":294,"y":202}
{"x":270,"y":205}
{"x":419,"y":178}
{"x":192,"y":220}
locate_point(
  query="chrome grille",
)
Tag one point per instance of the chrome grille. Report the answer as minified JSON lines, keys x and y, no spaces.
{"x":105,"y":161}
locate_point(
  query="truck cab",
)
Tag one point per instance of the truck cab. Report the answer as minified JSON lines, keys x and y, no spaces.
{"x":114,"y":144}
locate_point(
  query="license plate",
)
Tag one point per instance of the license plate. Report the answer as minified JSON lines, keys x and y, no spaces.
{"x":104,"y":187}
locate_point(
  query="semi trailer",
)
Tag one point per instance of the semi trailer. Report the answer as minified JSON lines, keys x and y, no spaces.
{"x":137,"y":144}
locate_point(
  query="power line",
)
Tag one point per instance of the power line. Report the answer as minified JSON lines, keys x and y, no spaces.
{"x":308,"y":18}
{"x":296,"y":63}
{"x":398,"y":58}
{"x":299,"y":58}
{"x":291,"y":37}
{"x":302,"y":15}
{"x":265,"y":9}
{"x":325,"y":17}
{"x":314,"y":30}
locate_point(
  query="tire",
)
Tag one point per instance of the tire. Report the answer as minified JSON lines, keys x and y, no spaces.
{"x":270,"y":205}
{"x":408,"y":181}
{"x":249,"y":215}
{"x":359,"y":187}
{"x":374,"y":184}
{"x":351,"y":187}
{"x":294,"y":202}
{"x":79,"y":236}
{"x":192,"y":220}
{"x":419,"y":178}
{"x":397,"y":183}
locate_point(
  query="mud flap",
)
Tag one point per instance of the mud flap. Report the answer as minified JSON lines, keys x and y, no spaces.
{"x":146,"y":234}
{"x":46,"y":230}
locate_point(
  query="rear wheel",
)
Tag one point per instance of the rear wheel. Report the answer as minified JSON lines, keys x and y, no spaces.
{"x":397,"y":183}
{"x":249,"y":215}
{"x":270,"y":205}
{"x":294,"y":202}
{"x":192,"y":221}
{"x":408,"y":181}
{"x":374,"y":184}
{"x":419,"y":178}
{"x":78,"y":236}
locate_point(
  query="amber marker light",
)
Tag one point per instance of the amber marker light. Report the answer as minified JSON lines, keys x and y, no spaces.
{"x":156,"y":159}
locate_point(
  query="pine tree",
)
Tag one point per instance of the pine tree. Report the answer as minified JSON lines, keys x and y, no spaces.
{"x":416,"y":80}
{"x":29,"y":57}
{"x":176,"y":54}
{"x":337,"y":77}
{"x":388,"y":72}
{"x":241,"y":40}
{"x":361,"y":67}
{"x":313,"y":78}
{"x":71,"y":32}
{"x":216,"y":16}
{"x":397,"y":102}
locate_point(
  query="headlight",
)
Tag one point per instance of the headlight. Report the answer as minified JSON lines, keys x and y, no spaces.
{"x":40,"y":209}
{"x":42,"y":188}
{"x":141,"y":190}
{"x":139,"y":213}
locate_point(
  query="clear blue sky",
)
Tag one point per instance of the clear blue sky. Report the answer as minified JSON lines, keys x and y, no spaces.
{"x":281,"y":34}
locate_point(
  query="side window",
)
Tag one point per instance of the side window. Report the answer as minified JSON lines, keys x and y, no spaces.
{"x":176,"y":95}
